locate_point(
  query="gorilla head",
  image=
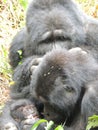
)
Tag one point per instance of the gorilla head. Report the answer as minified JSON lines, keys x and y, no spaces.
{"x":50,"y":23}
{"x":61,"y":81}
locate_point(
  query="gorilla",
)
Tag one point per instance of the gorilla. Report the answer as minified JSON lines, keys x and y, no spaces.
{"x":49,"y":24}
{"x":66,"y":82}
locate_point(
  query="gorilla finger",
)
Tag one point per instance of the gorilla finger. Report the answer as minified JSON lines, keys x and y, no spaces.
{"x":33,"y":68}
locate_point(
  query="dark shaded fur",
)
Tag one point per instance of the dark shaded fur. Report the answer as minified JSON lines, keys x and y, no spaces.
{"x":66,"y":82}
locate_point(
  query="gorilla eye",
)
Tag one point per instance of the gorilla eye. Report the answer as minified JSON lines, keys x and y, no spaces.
{"x":62,"y":38}
{"x":51,"y":39}
{"x":47,"y":40}
{"x":68,"y":88}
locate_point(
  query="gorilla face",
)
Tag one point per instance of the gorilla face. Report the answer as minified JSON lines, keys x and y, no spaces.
{"x":53,"y":114}
{"x":50,"y":23}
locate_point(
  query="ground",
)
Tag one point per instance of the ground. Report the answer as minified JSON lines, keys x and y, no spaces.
{"x":4,"y":90}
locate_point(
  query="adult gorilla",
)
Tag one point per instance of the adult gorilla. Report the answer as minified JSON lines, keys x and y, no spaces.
{"x":49,"y":23}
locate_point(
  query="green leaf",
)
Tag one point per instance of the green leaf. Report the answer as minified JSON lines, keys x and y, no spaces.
{"x":24,"y":3}
{"x":49,"y":125}
{"x":20,"y":53}
{"x":60,"y":127}
{"x":92,"y":122}
{"x":34,"y":127}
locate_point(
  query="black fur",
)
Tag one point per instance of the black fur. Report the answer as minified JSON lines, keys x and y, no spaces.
{"x":66,"y":82}
{"x":49,"y":23}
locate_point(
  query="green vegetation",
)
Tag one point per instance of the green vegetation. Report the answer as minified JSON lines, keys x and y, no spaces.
{"x":11,"y":20}
{"x":49,"y":125}
{"x":5,"y":68}
{"x":92,"y":122}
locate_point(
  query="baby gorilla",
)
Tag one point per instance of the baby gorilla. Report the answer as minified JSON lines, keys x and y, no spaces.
{"x":66,"y":82}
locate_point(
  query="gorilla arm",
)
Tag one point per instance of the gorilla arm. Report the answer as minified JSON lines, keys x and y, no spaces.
{"x":16,"y":46}
{"x":22,"y":77}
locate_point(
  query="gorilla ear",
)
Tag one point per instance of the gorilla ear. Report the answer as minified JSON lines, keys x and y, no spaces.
{"x":89,"y":103}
